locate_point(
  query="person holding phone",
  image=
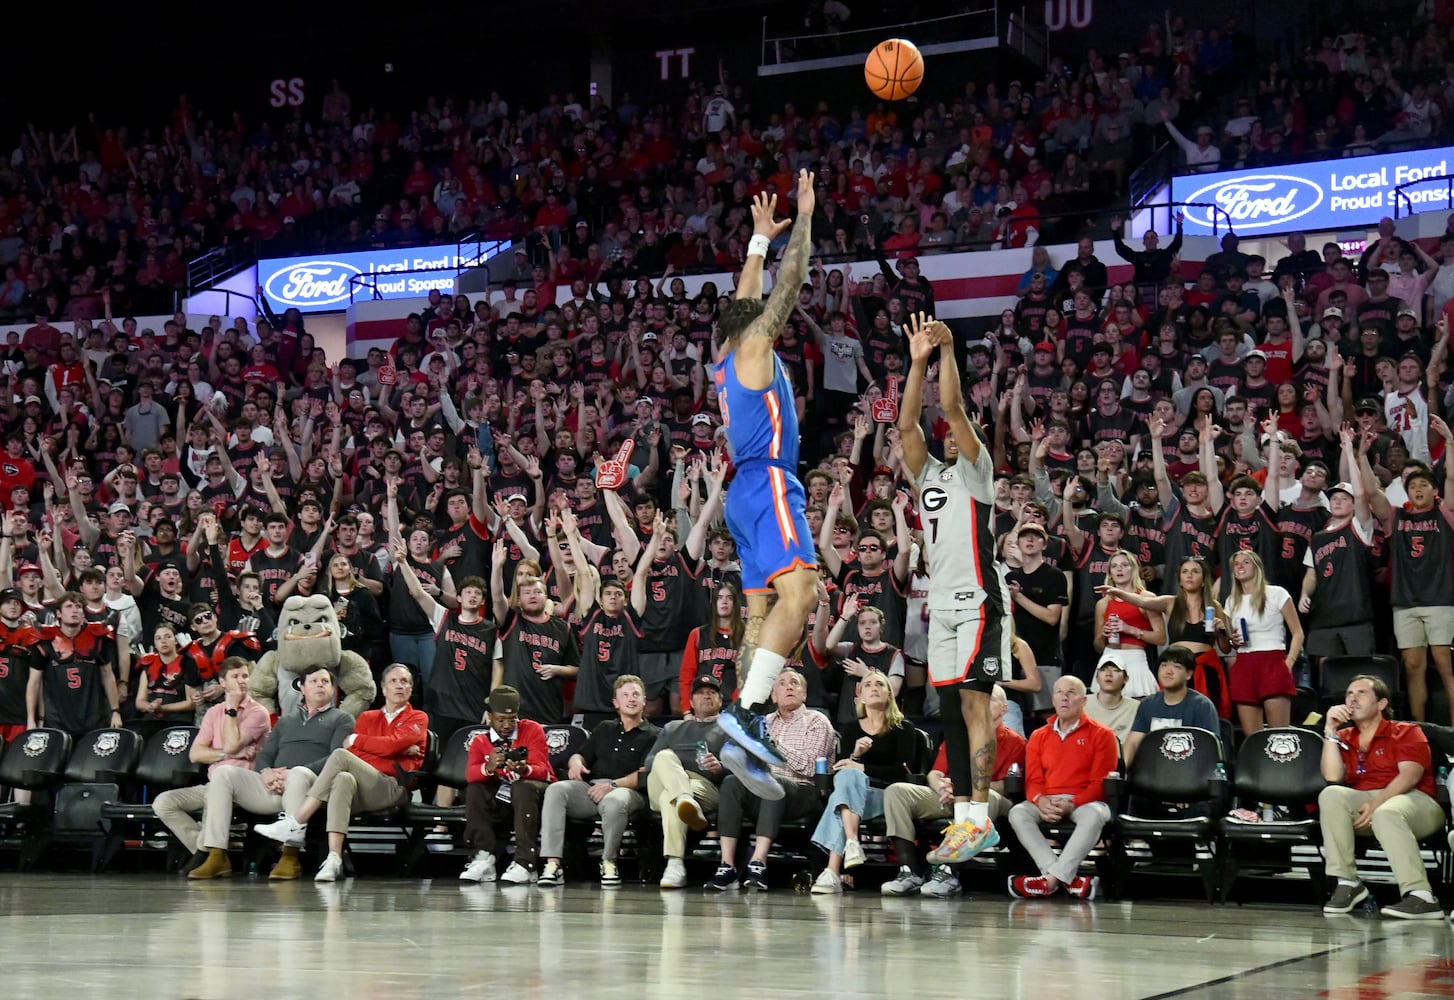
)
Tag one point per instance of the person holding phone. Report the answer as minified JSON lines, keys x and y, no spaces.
{"x":509,"y":767}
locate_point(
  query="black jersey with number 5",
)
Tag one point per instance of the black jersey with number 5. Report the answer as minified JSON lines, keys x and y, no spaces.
{"x":608,"y":650}
{"x":527,"y":646}
{"x":1422,"y":574}
{"x":464,"y":656}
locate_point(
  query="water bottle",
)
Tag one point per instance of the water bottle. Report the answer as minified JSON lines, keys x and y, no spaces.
{"x":1246,"y":636}
{"x":1114,"y":639}
{"x":1209,"y":619}
{"x":701,"y":755}
{"x":1370,"y":906}
{"x":1221,"y":771}
{"x":821,"y":779}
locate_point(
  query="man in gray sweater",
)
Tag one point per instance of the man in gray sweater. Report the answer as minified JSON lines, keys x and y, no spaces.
{"x":683,"y":774}
{"x":285,"y":770}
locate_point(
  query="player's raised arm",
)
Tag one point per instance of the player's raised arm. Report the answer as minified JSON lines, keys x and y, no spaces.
{"x":748,"y":326}
{"x":911,"y":405}
{"x":951,"y":394}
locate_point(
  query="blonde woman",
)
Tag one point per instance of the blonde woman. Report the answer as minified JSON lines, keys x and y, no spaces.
{"x":881,"y":748}
{"x":1268,"y":637}
{"x":1124,"y":630}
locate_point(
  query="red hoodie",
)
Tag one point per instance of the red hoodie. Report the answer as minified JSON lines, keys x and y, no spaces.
{"x":380,"y":743}
{"x":528,"y":734}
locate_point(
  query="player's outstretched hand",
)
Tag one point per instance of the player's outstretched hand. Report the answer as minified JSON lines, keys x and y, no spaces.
{"x":806,"y":197}
{"x":764,"y":217}
{"x":921,"y":341}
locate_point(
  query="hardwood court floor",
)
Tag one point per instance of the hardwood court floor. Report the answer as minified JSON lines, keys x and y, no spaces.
{"x":156,"y":936}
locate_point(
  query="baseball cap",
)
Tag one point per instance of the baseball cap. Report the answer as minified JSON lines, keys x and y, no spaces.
{"x":32,"y":399}
{"x":516,"y":496}
{"x":882,"y":470}
{"x":1035,"y":527}
{"x":1333,"y":311}
{"x":26,"y":567}
{"x":648,"y":335}
{"x":504,"y":700}
{"x":1406,"y":311}
{"x":706,"y":681}
{"x":1341,"y":488}
{"x":1368,"y":405}
{"x":1045,"y":346}
{"x":118,"y":508}
{"x":703,"y":418}
{"x":1255,"y":354}
{"x":11,"y":594}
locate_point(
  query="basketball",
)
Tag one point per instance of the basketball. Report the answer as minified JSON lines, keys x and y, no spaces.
{"x":894,"y":69}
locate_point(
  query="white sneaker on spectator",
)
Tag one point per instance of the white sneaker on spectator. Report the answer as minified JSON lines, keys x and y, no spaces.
{"x":480,"y":869}
{"x":330,"y":870}
{"x":550,"y":875}
{"x":906,"y":883}
{"x":285,"y":830}
{"x":675,"y":876}
{"x":853,"y":854}
{"x":518,"y":874}
{"x":827,"y":884}
{"x":942,"y":884}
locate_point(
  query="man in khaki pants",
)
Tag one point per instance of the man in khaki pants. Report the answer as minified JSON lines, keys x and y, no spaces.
{"x":679,"y":787}
{"x":361,"y":775}
{"x":285,"y":768}
{"x":229,"y":738}
{"x":1380,"y":783}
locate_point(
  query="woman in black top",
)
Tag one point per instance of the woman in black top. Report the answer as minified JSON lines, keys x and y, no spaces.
{"x":878,"y":748}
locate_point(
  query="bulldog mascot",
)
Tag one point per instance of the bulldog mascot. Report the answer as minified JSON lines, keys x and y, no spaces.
{"x":309,"y":634}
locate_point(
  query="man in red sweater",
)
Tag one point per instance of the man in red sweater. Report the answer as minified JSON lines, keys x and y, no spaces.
{"x":360,"y":776}
{"x":509,"y":767}
{"x":1066,"y":764}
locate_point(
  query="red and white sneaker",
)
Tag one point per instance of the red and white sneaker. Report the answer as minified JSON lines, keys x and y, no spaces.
{"x":1083,"y":887}
{"x":1031,"y":887}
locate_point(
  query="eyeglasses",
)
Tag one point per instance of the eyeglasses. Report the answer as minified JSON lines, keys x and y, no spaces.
{"x":203,"y":616}
{"x":870,"y":548}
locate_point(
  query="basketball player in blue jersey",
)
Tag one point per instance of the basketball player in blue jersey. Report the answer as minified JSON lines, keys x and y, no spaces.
{"x":766,"y":503}
{"x":968,"y":602}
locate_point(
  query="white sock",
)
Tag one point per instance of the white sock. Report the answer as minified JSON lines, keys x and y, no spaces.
{"x":1349,"y":882}
{"x":961,"y":812}
{"x":1423,"y":894}
{"x":761,"y":676}
{"x":335,"y":856}
{"x":977,"y":813}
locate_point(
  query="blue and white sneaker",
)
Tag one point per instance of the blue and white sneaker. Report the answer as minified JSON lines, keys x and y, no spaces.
{"x":754,"y":777}
{"x":745,"y":727}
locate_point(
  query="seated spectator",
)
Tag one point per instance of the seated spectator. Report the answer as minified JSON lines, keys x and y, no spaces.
{"x":290,"y":760}
{"x":605,"y":779}
{"x":881,"y":747}
{"x":1066,"y":763}
{"x":509,"y":767}
{"x":684,"y":775}
{"x":802,"y":736}
{"x":1381,"y":783}
{"x":1176,"y":704}
{"x":363,"y":774}
{"x":230,"y":736}
{"x":1110,"y":707}
{"x":908,"y":801}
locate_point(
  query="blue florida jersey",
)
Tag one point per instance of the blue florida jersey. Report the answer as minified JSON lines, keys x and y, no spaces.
{"x":762,"y":424}
{"x":766,"y":503}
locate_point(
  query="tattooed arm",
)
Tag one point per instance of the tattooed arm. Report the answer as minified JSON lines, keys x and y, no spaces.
{"x":753,"y":360}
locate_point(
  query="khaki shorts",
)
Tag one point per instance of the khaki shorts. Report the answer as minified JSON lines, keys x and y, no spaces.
{"x":1415,"y":628}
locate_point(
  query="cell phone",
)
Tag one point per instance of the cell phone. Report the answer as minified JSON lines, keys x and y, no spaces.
{"x":517,"y":755}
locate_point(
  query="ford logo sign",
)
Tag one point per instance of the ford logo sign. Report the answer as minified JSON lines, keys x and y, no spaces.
{"x":310,"y":283}
{"x":1256,"y":201}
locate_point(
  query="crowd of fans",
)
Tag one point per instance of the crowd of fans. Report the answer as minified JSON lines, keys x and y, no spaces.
{"x":522,"y":500}
{"x":631,"y":188}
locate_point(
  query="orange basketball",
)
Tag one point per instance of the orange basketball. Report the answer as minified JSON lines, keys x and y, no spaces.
{"x":894,"y":69}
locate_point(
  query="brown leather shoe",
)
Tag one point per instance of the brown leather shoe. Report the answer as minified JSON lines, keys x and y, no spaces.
{"x":217,"y":865}
{"x":287,"y":867}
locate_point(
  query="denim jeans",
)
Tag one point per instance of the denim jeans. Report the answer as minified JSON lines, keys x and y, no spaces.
{"x":850,"y":791}
{"x":415,"y":650}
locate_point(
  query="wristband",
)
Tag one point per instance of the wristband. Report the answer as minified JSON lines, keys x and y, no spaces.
{"x":758,"y":246}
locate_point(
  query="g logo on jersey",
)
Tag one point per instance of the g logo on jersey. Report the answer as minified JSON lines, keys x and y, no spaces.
{"x":932,"y":498}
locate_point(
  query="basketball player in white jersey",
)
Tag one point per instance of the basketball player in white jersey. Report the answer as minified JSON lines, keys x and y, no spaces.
{"x":969,"y":605}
